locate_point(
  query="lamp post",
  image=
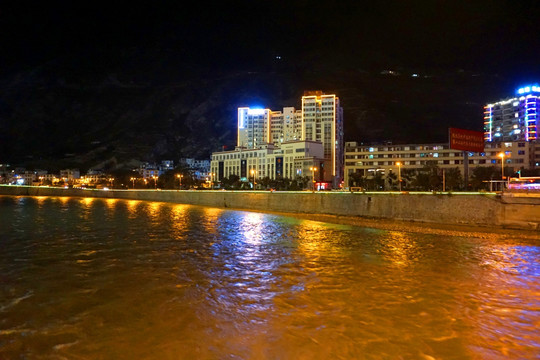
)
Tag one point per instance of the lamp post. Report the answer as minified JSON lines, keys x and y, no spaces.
{"x":179,"y":176}
{"x":313,"y":170}
{"x":112,"y":182}
{"x":133,"y":181}
{"x":399,"y":174}
{"x":253,"y":172}
{"x":155,"y":181}
{"x":501,"y":155}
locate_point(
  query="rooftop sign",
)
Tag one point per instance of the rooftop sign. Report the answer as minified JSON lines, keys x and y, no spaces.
{"x":466,"y":140}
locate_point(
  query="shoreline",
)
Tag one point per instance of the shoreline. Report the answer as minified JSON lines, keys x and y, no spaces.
{"x":408,"y":225}
{"x":435,"y":228}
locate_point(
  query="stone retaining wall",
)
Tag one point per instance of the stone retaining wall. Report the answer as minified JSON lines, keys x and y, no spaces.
{"x":466,"y":209}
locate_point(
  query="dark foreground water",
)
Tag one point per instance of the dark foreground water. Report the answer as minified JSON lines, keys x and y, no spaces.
{"x":113,"y":279}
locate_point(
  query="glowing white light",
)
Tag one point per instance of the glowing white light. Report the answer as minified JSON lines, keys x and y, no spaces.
{"x":256,"y":112}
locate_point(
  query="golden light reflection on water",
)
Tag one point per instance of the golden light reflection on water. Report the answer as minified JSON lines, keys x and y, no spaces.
{"x":153,"y":210}
{"x":211,"y":216}
{"x":401,"y":248}
{"x":178,"y":219}
{"x":310,"y":239}
{"x":40,"y":199}
{"x":87,"y":201}
{"x":178,"y":211}
{"x":247,"y":285}
{"x":64,"y":199}
{"x":111,"y":203}
{"x":133,"y":208}
{"x":504,"y":300}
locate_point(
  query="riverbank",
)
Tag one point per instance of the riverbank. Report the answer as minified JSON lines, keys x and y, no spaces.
{"x":457,"y":209}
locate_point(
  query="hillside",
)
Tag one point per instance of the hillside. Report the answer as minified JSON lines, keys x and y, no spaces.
{"x":72,"y":112}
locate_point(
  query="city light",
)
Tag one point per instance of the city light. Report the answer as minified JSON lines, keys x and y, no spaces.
{"x":528,"y":89}
{"x":501,"y":155}
{"x":399,"y":174}
{"x":179,"y":177}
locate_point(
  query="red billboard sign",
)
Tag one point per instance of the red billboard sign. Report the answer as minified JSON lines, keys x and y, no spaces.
{"x":466,"y":140}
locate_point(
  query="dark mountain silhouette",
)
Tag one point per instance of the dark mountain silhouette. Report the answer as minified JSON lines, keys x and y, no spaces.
{"x":86,"y":111}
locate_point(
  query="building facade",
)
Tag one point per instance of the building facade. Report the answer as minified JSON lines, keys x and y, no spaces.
{"x":513,"y":119}
{"x":385,"y":158}
{"x":291,"y":159}
{"x":320,"y":120}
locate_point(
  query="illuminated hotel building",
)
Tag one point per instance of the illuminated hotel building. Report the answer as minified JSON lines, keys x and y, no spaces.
{"x":513,"y":119}
{"x":320,"y":120}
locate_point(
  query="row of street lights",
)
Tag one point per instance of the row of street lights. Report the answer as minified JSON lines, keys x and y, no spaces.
{"x":501,"y":155}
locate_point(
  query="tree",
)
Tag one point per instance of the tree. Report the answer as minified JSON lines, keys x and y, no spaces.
{"x":428,"y":177}
{"x":453,"y":179}
{"x":122,"y":177}
{"x":421,"y":181}
{"x":481,"y":175}
{"x":266,"y":182}
{"x":167,"y":180}
{"x":393,"y":181}
{"x":232,"y":182}
{"x":355,"y":179}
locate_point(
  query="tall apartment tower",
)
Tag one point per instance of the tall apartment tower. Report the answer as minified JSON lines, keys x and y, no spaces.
{"x":319,"y":120}
{"x":253,"y":127}
{"x":322,"y":120}
{"x":513,"y":119}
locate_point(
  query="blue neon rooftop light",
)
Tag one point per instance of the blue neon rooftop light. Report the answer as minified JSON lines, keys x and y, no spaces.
{"x":529,"y":88}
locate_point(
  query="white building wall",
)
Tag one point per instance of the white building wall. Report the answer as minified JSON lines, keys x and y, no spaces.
{"x":369,"y":158}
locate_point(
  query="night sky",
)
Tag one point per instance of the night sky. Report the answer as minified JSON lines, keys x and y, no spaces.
{"x":488,"y":36}
{"x":496,"y":39}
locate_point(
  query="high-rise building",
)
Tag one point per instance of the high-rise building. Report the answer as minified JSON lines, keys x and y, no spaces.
{"x":322,"y":120}
{"x":319,"y":120}
{"x":513,"y":119}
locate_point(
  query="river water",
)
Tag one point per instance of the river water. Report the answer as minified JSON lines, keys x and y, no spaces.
{"x":84,"y":278}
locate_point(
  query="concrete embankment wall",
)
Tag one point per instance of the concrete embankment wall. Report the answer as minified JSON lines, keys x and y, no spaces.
{"x":483,"y":210}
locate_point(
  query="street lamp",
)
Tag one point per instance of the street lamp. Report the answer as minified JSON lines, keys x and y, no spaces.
{"x":112,"y":182}
{"x":313,"y":170}
{"x":253,"y":172}
{"x":399,"y":174}
{"x":501,"y":155}
{"x":155,"y":181}
{"x":133,"y":180}
{"x":179,"y":176}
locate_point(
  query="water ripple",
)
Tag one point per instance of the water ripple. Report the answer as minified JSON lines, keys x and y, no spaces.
{"x":94,"y":278}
